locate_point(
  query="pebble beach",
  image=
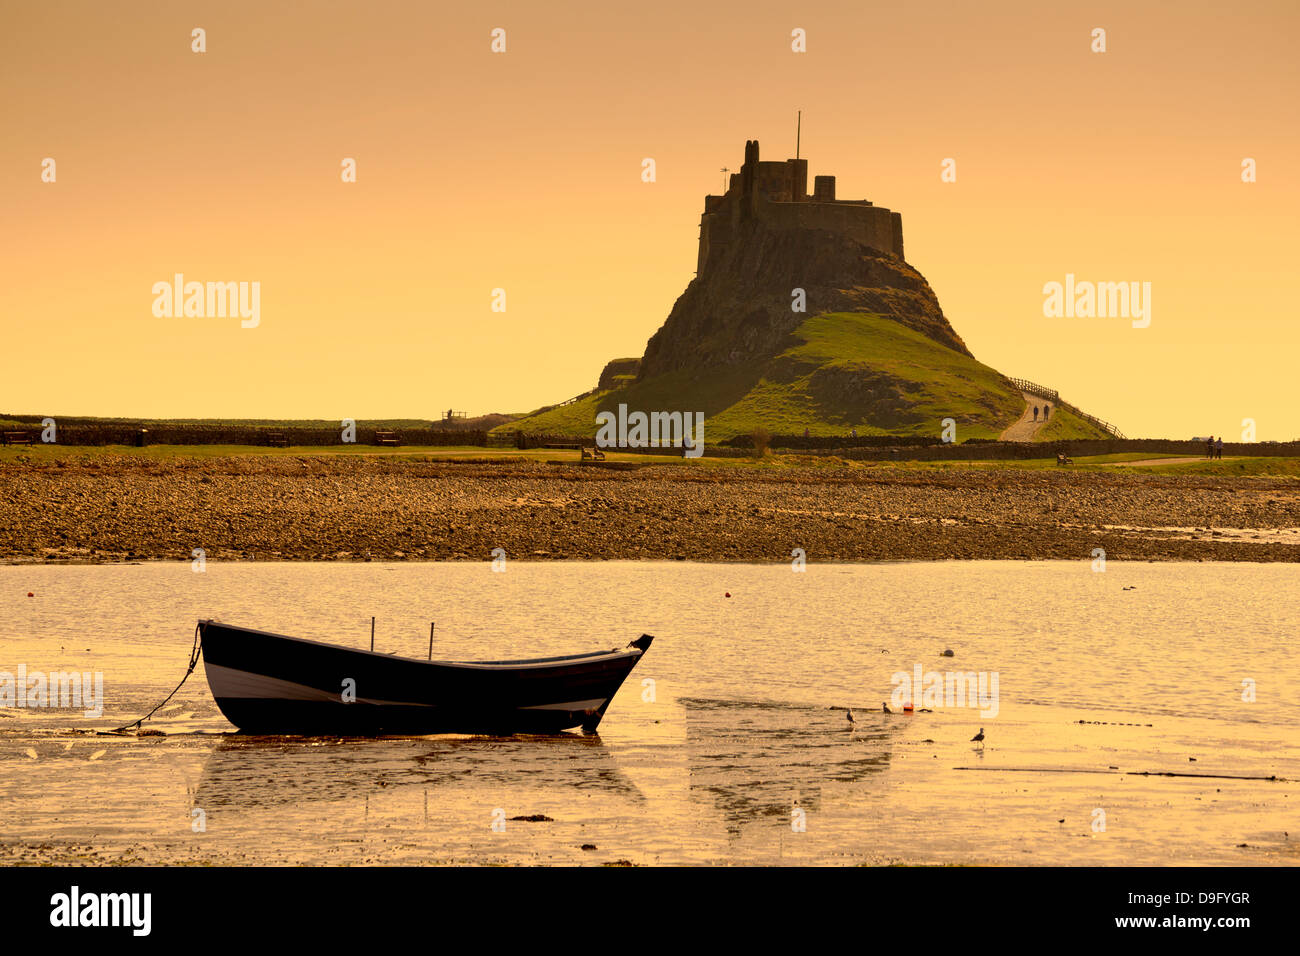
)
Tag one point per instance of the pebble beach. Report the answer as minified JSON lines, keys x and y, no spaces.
{"x":339,"y":508}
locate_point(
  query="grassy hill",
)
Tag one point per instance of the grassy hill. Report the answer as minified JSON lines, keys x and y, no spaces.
{"x":841,"y":370}
{"x":1066,"y":425}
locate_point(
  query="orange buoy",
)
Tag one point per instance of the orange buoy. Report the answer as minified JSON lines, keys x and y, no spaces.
{"x":30,"y":594}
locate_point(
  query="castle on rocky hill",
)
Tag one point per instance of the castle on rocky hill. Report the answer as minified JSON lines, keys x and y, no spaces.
{"x":776,"y":194}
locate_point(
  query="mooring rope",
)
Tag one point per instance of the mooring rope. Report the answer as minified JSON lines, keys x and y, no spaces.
{"x":195,"y":653}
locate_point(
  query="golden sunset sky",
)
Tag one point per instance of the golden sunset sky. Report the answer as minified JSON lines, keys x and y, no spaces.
{"x":522,"y":170}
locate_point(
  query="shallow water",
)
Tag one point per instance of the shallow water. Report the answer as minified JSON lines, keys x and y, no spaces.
{"x":740,"y":735}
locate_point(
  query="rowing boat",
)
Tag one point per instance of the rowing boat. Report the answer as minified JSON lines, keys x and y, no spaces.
{"x":267,"y":683}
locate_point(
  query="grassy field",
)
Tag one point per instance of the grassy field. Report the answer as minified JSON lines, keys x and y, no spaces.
{"x":49,"y":453}
{"x":1117,"y":463}
{"x":1122,"y":463}
{"x":843,"y":371}
{"x":1242,"y":466}
{"x":332,"y":423}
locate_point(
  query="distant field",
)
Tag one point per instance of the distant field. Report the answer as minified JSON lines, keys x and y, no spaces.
{"x":1225,"y":466}
{"x":1115,"y":463}
{"x":39,"y":452}
{"x":329,"y":423}
{"x":1119,"y":463}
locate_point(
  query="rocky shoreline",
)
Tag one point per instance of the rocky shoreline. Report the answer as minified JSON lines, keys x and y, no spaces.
{"x":266,"y":508}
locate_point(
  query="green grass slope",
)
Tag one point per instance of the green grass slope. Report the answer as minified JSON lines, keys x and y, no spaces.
{"x":842,"y":370}
{"x":1065,"y":425}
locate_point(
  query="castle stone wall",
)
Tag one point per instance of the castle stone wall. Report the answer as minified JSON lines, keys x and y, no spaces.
{"x":870,"y":225}
{"x":798,"y":178}
{"x":896,"y":227}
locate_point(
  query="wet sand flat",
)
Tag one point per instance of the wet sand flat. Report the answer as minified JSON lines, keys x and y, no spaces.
{"x":325,"y":508}
{"x":1122,"y":733}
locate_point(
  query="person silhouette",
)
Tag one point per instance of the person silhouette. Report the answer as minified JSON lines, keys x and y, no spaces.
{"x":1035,"y":413}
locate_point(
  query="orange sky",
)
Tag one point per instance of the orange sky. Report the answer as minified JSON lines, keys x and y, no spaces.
{"x":522,"y":171}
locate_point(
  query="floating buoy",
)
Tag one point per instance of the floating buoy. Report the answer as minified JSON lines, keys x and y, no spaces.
{"x":907,"y":708}
{"x":30,"y":594}
{"x":728,"y":594}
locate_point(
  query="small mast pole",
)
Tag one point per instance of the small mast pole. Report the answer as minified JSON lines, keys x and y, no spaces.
{"x":798,"y":132}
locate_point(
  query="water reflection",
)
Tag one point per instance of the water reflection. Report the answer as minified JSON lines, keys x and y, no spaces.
{"x":248,"y":772}
{"x":756,"y":760}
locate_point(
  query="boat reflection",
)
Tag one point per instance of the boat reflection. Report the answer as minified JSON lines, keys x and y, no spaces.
{"x":251,"y":773}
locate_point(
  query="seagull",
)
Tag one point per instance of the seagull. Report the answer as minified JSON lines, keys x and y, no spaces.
{"x":885,"y":708}
{"x":979,"y":738}
{"x":852,"y":720}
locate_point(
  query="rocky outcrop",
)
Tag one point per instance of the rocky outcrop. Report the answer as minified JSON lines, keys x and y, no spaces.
{"x":861,"y":393}
{"x":618,"y":372}
{"x":739,"y":308}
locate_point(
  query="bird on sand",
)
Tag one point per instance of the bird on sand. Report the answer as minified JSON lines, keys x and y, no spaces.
{"x":979,"y":738}
{"x":852,"y":720}
{"x":885,"y":707}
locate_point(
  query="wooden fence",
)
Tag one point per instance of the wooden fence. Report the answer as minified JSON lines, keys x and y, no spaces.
{"x":1053,"y":396}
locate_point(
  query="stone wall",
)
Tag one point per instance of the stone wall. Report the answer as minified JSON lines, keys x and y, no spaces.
{"x":872,"y":226}
{"x":617,"y":369}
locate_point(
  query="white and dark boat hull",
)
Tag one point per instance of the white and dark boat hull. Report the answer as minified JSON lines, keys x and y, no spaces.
{"x":272,"y":684}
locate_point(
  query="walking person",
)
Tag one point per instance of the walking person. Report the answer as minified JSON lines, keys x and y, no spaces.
{"x":1035,"y":413}
{"x":1218,"y":447}
{"x":1209,"y":447}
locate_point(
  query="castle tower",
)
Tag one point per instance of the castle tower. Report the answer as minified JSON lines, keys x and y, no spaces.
{"x":748,"y":173}
{"x":798,"y":179}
